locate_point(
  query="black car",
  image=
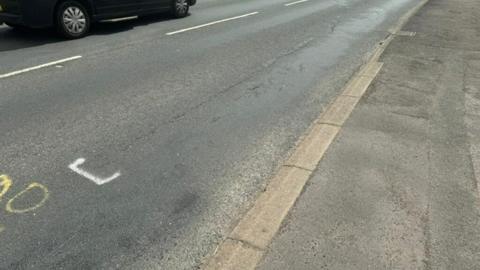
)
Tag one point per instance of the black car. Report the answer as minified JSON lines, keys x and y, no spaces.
{"x":73,"y":18}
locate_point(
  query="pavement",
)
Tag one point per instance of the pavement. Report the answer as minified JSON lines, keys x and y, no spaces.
{"x":398,"y":188}
{"x":186,"y":128}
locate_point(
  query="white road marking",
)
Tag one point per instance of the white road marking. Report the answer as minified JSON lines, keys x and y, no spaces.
{"x":296,"y":2}
{"x":211,"y":23}
{"x":406,"y":33}
{"x":97,"y":180}
{"x":10,"y":74}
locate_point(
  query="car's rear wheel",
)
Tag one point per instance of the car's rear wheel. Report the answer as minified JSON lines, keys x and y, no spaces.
{"x":72,"y":19}
{"x":180,"y":8}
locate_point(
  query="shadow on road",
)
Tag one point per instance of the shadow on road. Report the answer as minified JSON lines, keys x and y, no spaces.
{"x":14,"y":39}
{"x":112,"y":28}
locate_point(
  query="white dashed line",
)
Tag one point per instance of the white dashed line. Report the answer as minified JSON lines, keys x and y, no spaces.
{"x":211,"y":23}
{"x":296,"y":2}
{"x":10,"y":74}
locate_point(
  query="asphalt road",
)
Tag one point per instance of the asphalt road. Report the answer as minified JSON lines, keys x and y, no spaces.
{"x":193,"y":122}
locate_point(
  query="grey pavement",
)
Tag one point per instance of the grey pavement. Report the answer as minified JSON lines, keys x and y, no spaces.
{"x":398,"y":189}
{"x":195,"y":123}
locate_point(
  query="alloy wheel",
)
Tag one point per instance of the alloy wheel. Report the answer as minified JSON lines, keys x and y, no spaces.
{"x":74,"y":20}
{"x":181,"y":6}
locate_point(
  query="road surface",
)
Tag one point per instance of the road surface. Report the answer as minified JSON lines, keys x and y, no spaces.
{"x":142,"y":150}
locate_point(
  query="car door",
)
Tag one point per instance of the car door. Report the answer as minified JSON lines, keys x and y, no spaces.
{"x":151,"y":6}
{"x":117,"y":8}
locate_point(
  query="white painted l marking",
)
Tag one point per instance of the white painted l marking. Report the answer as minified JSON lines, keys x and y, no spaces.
{"x":97,"y":180}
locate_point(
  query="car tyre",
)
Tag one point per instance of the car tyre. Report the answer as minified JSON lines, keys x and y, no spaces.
{"x":72,"y":19}
{"x":180,"y":8}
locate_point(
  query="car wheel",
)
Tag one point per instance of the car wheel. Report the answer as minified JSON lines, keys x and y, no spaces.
{"x":73,"y":20}
{"x":180,"y":8}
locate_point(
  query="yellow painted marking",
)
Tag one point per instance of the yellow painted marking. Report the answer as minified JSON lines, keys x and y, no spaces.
{"x":5,"y":183}
{"x":11,"y":209}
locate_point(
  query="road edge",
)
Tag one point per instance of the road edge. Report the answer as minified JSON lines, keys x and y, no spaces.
{"x":246,"y":245}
